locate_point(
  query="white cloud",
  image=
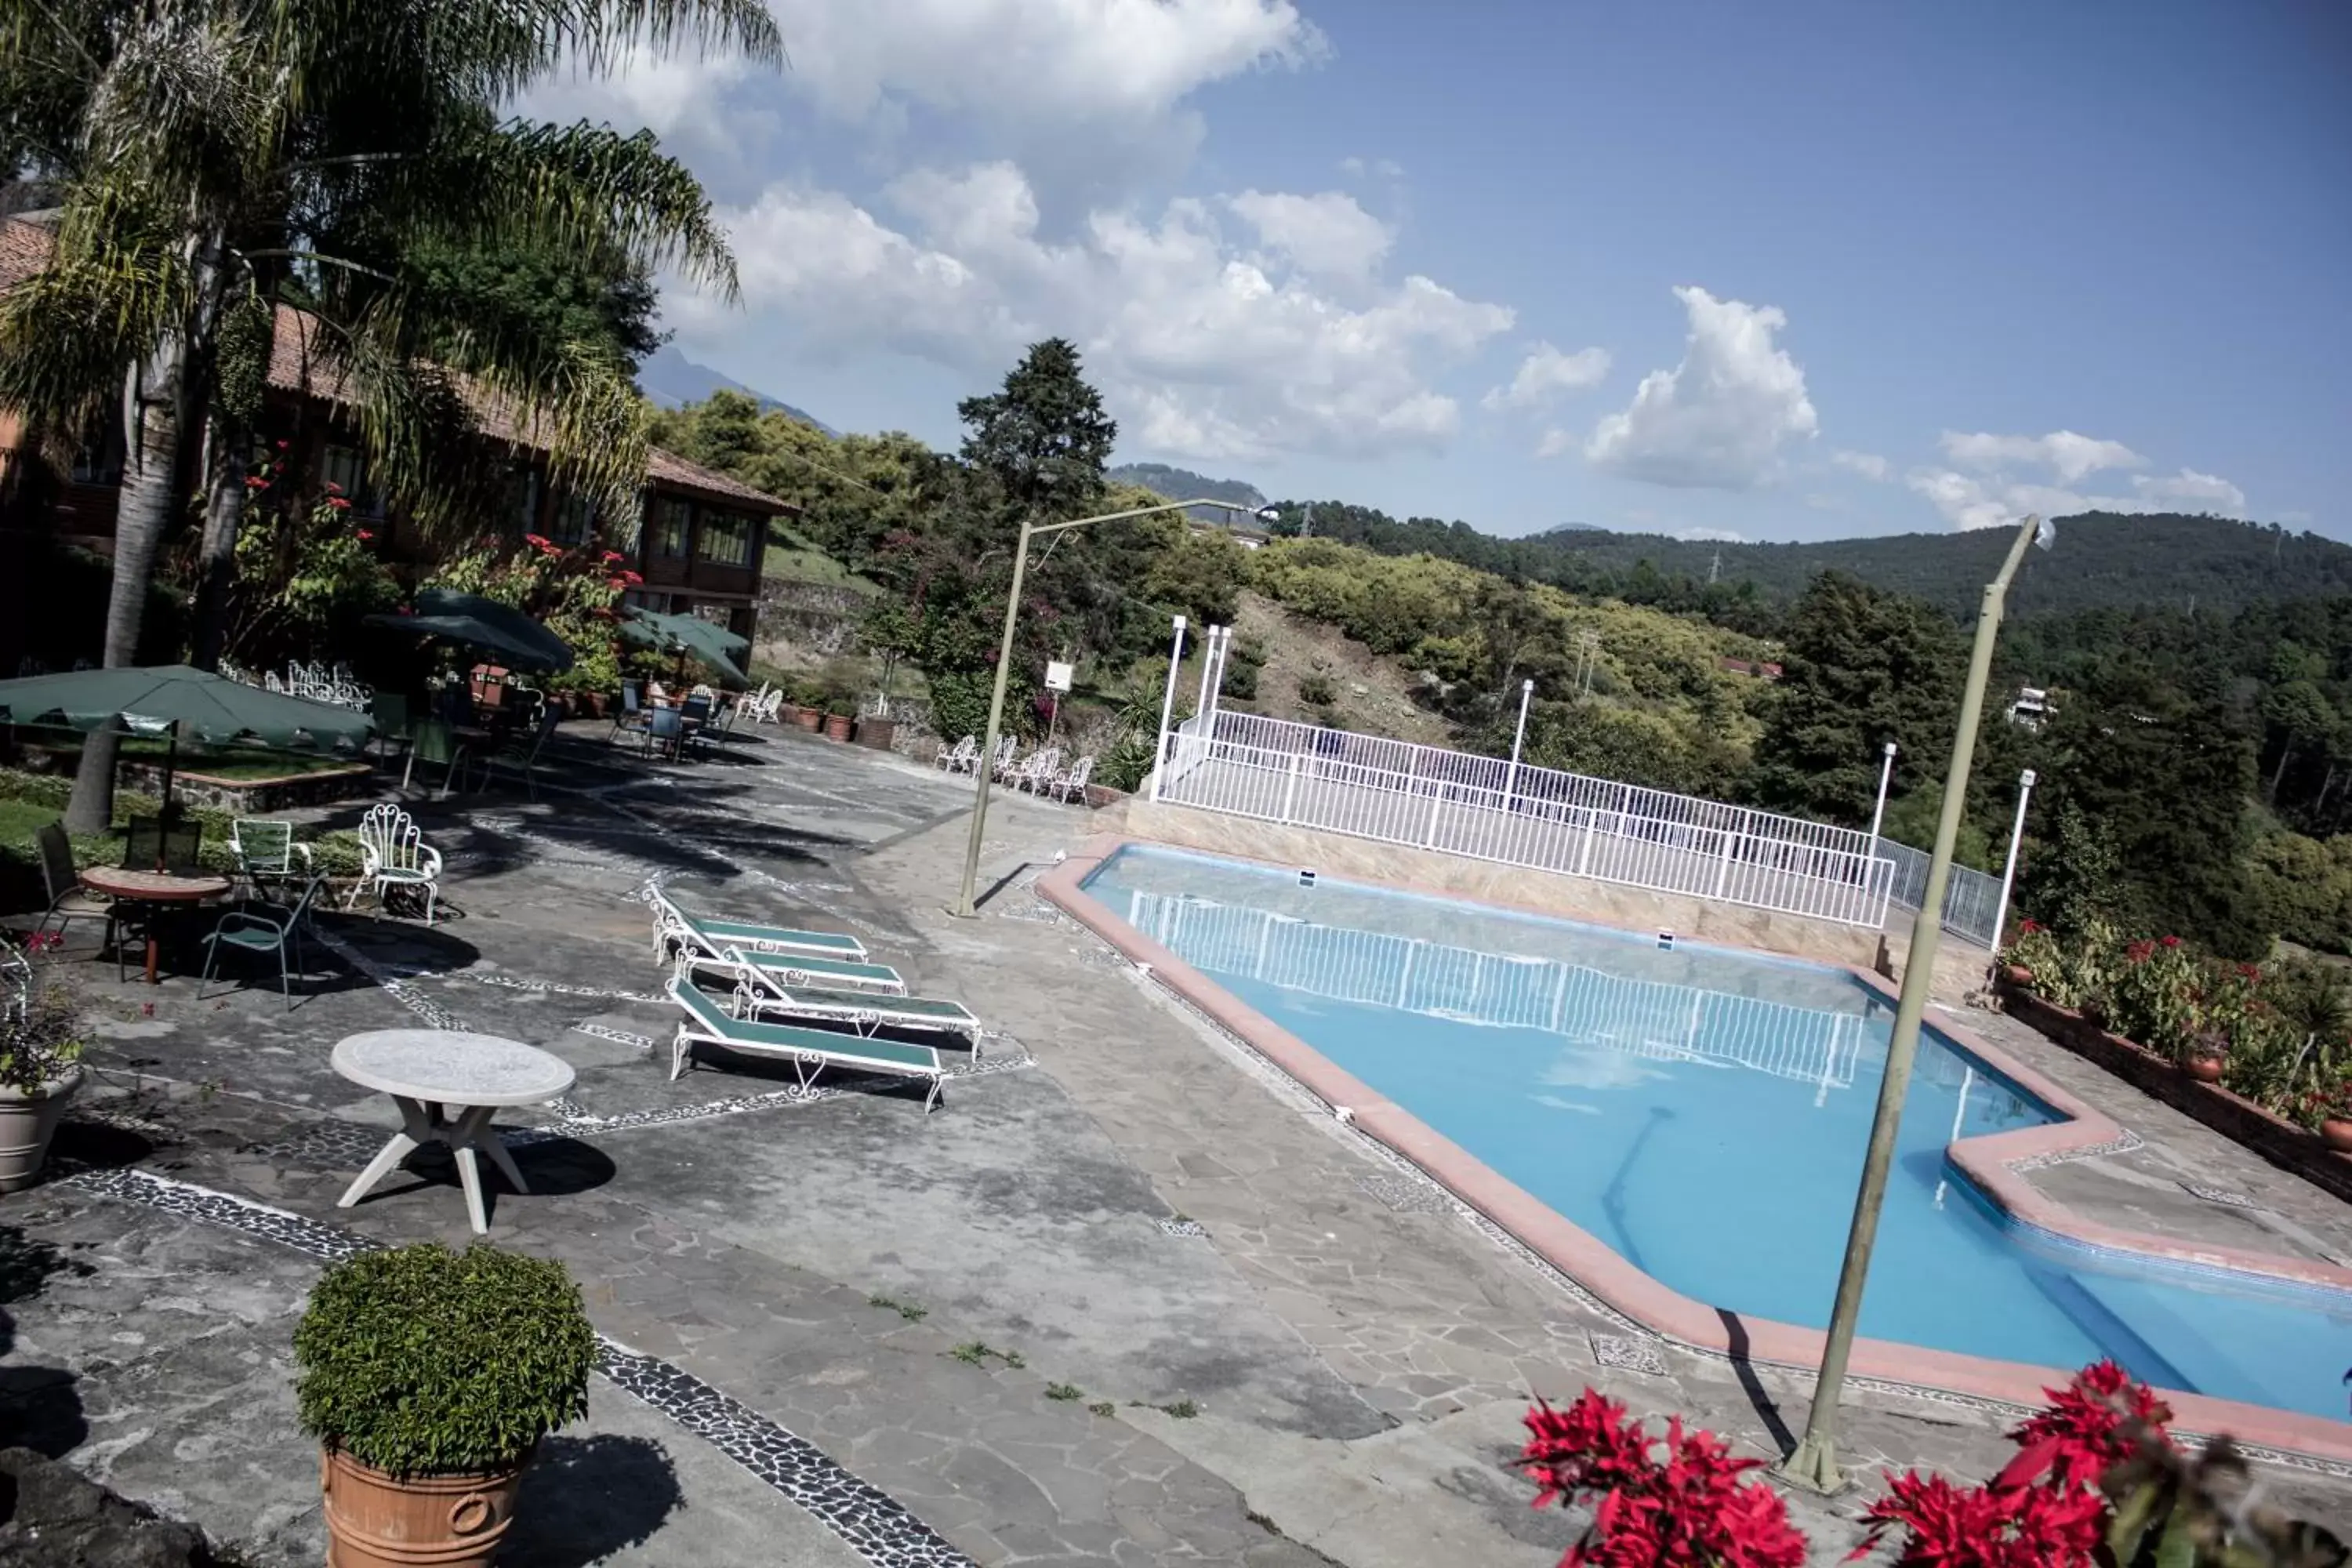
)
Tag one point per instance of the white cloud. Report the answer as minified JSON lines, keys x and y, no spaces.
{"x":1869,"y":465}
{"x":2189,"y":490}
{"x":1202,"y":350}
{"x":1997,"y":501}
{"x":1386,"y":168}
{"x":1546,"y":371}
{"x":1557,"y":443}
{"x":1716,"y":420}
{"x":1710,"y":536}
{"x":2063,"y":452}
{"x":1328,"y":234}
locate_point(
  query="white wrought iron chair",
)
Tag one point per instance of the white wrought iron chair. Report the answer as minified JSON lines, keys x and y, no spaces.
{"x":959,"y":757}
{"x":1038,"y":770}
{"x":1070,"y":784}
{"x":395,"y":855}
{"x":999,"y":766}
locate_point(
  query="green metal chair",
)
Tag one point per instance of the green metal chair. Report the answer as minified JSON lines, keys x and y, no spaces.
{"x":263,"y":930}
{"x":432,"y":742}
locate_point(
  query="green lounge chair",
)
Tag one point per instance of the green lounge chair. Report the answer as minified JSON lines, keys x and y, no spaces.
{"x":796,"y":968}
{"x":673,"y":927}
{"x":763,"y":991}
{"x":810,"y":1051}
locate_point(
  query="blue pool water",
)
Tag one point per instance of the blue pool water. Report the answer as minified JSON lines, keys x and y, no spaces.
{"x":1704,"y":1112}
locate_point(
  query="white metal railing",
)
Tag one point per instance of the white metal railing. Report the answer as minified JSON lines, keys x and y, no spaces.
{"x":1486,"y":809}
{"x":1592,"y":1006}
{"x":1971,"y":898}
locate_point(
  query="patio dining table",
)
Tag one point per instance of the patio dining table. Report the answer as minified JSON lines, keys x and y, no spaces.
{"x":157,"y":888}
{"x":449,"y":1083}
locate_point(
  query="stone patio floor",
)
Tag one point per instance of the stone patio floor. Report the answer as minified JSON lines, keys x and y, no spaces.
{"x":1124,"y":1298}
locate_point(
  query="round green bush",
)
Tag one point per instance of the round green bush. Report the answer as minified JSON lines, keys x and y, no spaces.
{"x":421,"y":1361}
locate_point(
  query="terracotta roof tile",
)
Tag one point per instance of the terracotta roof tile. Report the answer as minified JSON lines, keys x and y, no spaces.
{"x":301,"y":362}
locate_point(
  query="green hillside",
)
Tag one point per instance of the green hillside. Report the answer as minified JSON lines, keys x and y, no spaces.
{"x":2102,"y":561}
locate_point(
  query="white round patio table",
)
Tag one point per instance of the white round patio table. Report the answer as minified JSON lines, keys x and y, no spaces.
{"x":448,"y":1084}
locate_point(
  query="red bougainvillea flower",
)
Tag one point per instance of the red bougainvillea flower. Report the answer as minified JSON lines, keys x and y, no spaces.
{"x":340,"y":503}
{"x":1689,"y":1508}
{"x":2085,"y":1432}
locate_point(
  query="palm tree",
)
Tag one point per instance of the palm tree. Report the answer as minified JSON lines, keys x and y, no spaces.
{"x":218,"y":157}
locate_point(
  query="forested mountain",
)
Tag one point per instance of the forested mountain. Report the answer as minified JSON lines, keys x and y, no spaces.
{"x":672,"y":380}
{"x":1184,"y":484}
{"x":2102,"y":561}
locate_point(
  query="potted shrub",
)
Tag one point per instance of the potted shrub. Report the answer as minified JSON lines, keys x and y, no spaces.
{"x":2204,"y":1054}
{"x":40,"y":1068}
{"x":428,"y":1377}
{"x":2328,"y":1112}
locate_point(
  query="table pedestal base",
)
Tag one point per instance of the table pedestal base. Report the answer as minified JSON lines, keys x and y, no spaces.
{"x":423,"y":1122}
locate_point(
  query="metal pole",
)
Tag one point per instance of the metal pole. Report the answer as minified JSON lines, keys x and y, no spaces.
{"x":963,"y":904}
{"x":1878,"y":812}
{"x":1518,"y":739}
{"x":2008,"y":871}
{"x":1814,"y":1464}
{"x":1167,"y":707}
{"x":1208,"y":668}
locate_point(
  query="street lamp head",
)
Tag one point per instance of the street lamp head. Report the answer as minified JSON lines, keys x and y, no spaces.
{"x":1269,"y":514}
{"x":2046,"y":532}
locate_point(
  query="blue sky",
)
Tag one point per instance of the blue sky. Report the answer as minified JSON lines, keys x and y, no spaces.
{"x":1773,"y":271}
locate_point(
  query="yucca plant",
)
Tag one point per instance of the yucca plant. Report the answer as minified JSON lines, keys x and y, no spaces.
{"x":219,"y":157}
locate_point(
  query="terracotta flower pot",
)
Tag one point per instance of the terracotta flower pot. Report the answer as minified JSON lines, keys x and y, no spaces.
{"x":809,"y":719}
{"x":2017,"y":974}
{"x":28,"y":1123}
{"x":2204,"y":1069}
{"x":2335,"y":1132}
{"x":377,"y":1520}
{"x":836,"y":726}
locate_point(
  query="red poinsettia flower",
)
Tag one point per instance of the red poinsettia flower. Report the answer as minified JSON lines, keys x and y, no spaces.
{"x":2029,"y":925}
{"x":366,"y":534}
{"x":340,"y":503}
{"x":255,"y":483}
{"x":334,"y":489}
{"x":613,"y":555}
{"x":631,"y":578}
{"x":282,"y":445}
{"x":2171,"y":941}
{"x":536,"y":541}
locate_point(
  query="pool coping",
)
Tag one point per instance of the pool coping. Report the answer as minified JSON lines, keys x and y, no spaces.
{"x":1989,"y":1161}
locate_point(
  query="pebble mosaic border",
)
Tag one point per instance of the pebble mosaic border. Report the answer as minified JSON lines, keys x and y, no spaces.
{"x":872,"y":1524}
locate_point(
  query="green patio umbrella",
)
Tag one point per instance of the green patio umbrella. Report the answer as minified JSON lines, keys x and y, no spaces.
{"x":689,"y":636}
{"x":521,"y":642}
{"x":177,"y":699}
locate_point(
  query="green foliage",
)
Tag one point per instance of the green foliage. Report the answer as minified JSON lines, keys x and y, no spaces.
{"x":575,"y":594}
{"x":1315,"y":689}
{"x":959,"y":703}
{"x":39,"y":1044}
{"x":1863,"y":667}
{"x":304,"y":577}
{"x":539,"y":295}
{"x":1045,"y":437}
{"x":419,"y":1360}
{"x":2304,"y":889}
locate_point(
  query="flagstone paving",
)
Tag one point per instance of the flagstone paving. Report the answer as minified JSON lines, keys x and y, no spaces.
{"x":1121,"y":1299}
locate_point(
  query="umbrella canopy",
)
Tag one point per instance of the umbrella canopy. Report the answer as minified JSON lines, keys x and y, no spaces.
{"x":521,"y":642}
{"x":188,"y":703}
{"x":689,"y":636}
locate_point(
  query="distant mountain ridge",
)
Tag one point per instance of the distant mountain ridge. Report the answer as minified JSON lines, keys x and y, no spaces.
{"x":1184,"y":484}
{"x":673,"y":381}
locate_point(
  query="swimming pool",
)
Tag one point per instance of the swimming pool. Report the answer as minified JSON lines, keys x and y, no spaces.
{"x":1704,"y":1112}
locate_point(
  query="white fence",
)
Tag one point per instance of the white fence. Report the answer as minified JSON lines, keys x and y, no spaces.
{"x":1487,"y":809}
{"x":1591,"y":1006}
{"x":1971,"y":898}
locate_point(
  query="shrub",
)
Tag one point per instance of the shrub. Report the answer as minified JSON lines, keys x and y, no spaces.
{"x":2096,"y":1480}
{"x":1240,"y":682}
{"x":1316,"y":690}
{"x":41,"y":1040}
{"x":420,"y":1361}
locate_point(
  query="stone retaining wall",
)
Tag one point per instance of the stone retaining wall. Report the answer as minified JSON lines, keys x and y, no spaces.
{"x":254,"y":798}
{"x":2275,"y":1139}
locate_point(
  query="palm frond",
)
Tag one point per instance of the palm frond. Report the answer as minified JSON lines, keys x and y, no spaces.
{"x":118,"y":281}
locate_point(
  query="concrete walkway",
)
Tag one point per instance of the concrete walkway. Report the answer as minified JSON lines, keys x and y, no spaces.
{"x":1122,"y":1299}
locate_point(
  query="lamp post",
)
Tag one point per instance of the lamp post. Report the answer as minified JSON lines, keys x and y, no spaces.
{"x":2009,"y":870}
{"x":1878,"y":812}
{"x":964,"y":907}
{"x":1518,"y":739}
{"x":1814,"y":1464}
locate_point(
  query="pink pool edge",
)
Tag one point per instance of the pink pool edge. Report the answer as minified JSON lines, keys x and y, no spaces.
{"x":1985,"y":1160}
